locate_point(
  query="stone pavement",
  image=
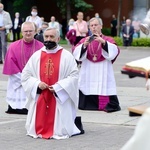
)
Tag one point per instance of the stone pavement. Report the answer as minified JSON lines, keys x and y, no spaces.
{"x":103,"y":131}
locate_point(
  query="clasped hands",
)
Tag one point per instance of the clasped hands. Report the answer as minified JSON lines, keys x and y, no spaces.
{"x":97,"y":37}
{"x":43,"y":86}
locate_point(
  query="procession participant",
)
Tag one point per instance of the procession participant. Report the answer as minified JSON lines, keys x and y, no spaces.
{"x":96,"y":78}
{"x":17,"y":56}
{"x":50,"y":82}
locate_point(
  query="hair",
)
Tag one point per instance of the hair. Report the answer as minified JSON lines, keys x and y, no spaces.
{"x":29,"y":23}
{"x":57,"y":31}
{"x":70,"y":20}
{"x":34,"y":7}
{"x":94,"y":18}
{"x":45,"y":23}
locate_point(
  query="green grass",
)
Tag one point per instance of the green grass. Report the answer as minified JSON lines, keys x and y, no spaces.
{"x":62,"y":41}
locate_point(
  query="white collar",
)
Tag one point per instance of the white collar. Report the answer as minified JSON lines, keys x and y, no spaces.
{"x":52,"y":51}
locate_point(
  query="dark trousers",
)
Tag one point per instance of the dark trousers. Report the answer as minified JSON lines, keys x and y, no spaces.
{"x":16,"y":33}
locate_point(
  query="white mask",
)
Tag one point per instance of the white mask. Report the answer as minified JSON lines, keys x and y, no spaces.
{"x":1,"y":9}
{"x":17,"y":16}
{"x":33,"y":13}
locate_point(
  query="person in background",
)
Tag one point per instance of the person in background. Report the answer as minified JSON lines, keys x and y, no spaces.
{"x":49,"y":77}
{"x":71,"y":34}
{"x":97,"y":16}
{"x":43,"y":19}
{"x":53,"y":23}
{"x":39,"y":36}
{"x":16,"y":29}
{"x":123,"y":21}
{"x":136,"y":24}
{"x":113,"y":25}
{"x":70,"y":24}
{"x":64,"y":26}
{"x":81,"y":27}
{"x":5,"y":26}
{"x":16,"y":58}
{"x":97,"y":86}
{"x":127,"y":33}
{"x":35,"y":18}
{"x":87,"y":21}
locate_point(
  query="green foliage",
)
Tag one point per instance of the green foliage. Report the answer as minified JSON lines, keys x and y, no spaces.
{"x":75,"y":6}
{"x":18,"y":5}
{"x":106,"y":31}
{"x":139,"y":42}
{"x":118,"y":40}
{"x":82,"y":5}
{"x":62,"y":41}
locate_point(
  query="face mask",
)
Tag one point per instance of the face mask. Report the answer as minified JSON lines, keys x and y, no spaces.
{"x":1,"y":9}
{"x":50,"y":45}
{"x":33,"y":13}
{"x":17,"y":16}
{"x":71,"y":22}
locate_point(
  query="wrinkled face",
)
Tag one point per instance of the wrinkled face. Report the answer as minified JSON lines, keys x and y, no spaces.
{"x":95,"y":26}
{"x":50,"y":35}
{"x":28,"y":32}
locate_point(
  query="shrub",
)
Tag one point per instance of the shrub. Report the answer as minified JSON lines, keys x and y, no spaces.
{"x":106,"y":31}
{"x":118,"y":40}
{"x":145,"y":42}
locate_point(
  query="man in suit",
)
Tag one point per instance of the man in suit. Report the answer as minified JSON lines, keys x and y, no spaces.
{"x":39,"y":36}
{"x":127,"y":33}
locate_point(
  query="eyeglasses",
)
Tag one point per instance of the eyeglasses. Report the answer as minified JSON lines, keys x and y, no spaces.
{"x":29,"y":31}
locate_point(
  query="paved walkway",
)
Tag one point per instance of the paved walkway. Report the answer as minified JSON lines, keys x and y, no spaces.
{"x":103,"y":131}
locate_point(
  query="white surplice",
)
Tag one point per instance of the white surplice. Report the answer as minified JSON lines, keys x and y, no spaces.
{"x":15,"y":96}
{"x":66,"y":88}
{"x":100,"y":74}
{"x":141,"y":137}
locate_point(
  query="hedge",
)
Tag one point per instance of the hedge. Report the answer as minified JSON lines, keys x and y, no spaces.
{"x":143,"y":42}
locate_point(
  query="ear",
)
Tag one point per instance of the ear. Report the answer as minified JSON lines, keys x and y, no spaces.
{"x":58,"y":40}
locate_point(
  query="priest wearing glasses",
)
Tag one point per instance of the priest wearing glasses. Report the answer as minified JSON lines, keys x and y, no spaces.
{"x":16,"y":58}
{"x":97,"y":86}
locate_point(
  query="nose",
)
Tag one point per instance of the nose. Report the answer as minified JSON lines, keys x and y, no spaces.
{"x":48,"y":38}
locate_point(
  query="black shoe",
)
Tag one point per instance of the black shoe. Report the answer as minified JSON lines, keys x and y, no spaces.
{"x":79,"y":125}
{"x":10,"y":110}
{"x":1,"y":62}
{"x":110,"y":110}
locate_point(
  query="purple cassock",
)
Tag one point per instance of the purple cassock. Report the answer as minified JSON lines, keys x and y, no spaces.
{"x":18,"y":54}
{"x":71,"y":36}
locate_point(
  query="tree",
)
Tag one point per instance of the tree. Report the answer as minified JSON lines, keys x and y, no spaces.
{"x":71,"y":7}
{"x":118,"y":17}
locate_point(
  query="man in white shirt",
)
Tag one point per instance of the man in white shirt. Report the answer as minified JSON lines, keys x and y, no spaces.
{"x":5,"y":25}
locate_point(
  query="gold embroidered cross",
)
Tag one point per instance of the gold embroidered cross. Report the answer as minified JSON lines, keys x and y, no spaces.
{"x":49,"y":67}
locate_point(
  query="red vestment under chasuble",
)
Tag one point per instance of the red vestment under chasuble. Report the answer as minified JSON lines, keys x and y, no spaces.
{"x":46,"y":104}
